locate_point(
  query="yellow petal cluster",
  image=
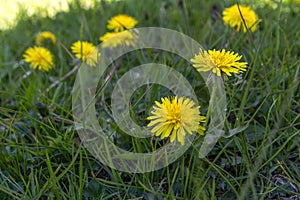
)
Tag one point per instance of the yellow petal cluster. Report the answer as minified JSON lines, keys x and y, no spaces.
{"x":43,"y":36}
{"x":237,"y":16}
{"x":121,"y":22}
{"x":85,"y":51}
{"x":116,"y":39}
{"x":174,"y":117}
{"x":39,"y":58}
{"x":218,"y":61}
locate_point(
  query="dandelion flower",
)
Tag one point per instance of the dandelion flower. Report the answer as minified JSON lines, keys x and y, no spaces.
{"x":85,"y":51}
{"x":112,"y":40}
{"x":121,"y":22}
{"x":45,"y":35}
{"x":237,"y":16}
{"x":217,"y":61}
{"x":175,"y":117}
{"x":39,"y":58}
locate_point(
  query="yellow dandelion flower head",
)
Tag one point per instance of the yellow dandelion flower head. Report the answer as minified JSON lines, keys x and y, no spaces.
{"x":219,"y":61}
{"x":121,"y":22}
{"x":86,"y":51}
{"x":175,"y":117}
{"x":126,"y":38}
{"x":237,"y":16}
{"x":39,"y":58}
{"x":43,"y":36}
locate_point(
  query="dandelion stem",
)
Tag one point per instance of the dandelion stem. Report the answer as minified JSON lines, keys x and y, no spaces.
{"x":63,"y":78}
{"x":116,"y":66}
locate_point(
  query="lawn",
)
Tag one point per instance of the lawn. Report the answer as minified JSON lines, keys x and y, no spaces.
{"x":45,"y":156}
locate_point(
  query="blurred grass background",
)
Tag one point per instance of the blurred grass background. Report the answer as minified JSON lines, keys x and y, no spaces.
{"x":41,"y":154}
{"x":10,"y":10}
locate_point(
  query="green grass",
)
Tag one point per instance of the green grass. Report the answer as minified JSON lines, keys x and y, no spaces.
{"x":41,"y":153}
